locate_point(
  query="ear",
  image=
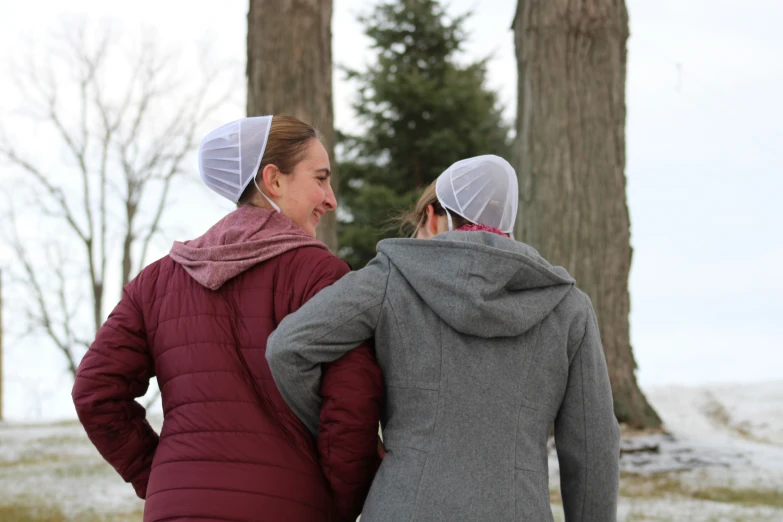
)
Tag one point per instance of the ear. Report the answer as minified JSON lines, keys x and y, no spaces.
{"x":432,"y":221}
{"x":271,"y":180}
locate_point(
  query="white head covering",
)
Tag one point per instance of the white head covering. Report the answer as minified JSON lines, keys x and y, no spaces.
{"x":229,"y":156}
{"x":483,"y":190}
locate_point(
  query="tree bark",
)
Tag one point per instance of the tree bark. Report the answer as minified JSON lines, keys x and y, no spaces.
{"x":570,"y":156}
{"x":289,"y":71}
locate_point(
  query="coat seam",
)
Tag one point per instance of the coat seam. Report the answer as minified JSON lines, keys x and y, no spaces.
{"x":522,"y":407}
{"x":584,"y":430}
{"x":584,"y":413}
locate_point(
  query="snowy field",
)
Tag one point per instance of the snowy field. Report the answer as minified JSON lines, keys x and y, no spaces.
{"x":721,"y":460}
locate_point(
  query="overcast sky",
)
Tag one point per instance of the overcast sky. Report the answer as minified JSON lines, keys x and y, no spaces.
{"x":704,"y":169}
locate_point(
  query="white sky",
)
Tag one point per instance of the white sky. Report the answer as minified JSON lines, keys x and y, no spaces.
{"x":704,"y":170}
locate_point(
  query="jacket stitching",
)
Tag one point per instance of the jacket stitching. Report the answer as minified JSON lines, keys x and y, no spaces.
{"x":185,"y":374}
{"x":214,"y":315}
{"x":206,"y":402}
{"x":297,"y":501}
{"x":123,"y":362}
{"x":242,"y":462}
{"x":190,"y":433}
{"x":186,"y":345}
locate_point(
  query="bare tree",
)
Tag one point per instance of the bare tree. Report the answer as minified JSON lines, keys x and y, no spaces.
{"x":570,"y":155}
{"x":289,"y":71}
{"x":124,"y":124}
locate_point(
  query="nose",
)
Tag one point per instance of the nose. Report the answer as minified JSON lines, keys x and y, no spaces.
{"x":330,"y":201}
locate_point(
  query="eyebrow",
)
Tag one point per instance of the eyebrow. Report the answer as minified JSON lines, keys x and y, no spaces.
{"x":327,"y":171}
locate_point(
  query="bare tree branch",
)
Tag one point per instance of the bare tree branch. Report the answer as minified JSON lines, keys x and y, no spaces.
{"x":42,"y":316}
{"x":55,"y":192}
{"x":58,"y":268}
{"x":198,"y":113}
{"x":125,"y":147}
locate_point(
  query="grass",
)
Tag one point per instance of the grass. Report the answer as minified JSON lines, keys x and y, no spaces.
{"x":670,"y":485}
{"x":51,"y":456}
{"x":24,"y":513}
{"x":642,"y":493}
{"x":60,"y":465}
{"x":41,"y":459}
{"x":748,"y":497}
{"x":554,"y":495}
{"x":27,"y":512}
{"x":33,"y":425}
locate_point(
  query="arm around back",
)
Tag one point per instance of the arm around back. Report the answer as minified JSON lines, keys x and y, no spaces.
{"x":351,"y":391}
{"x":330,"y":325}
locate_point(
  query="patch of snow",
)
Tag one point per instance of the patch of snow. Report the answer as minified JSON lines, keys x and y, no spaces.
{"x":50,"y":464}
{"x":717,"y":436}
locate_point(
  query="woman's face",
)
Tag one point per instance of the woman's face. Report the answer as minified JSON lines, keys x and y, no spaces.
{"x":305,"y":194}
{"x":433,"y":224}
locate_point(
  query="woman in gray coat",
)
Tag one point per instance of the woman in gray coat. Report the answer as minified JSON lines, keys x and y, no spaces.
{"x":484,"y":346}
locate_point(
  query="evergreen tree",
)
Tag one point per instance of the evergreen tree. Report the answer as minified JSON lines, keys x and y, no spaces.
{"x":421,"y":110}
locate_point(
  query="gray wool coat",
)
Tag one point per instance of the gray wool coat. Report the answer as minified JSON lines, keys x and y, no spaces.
{"x":483,"y":346}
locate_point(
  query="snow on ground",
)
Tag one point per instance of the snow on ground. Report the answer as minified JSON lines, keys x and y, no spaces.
{"x":720,"y":460}
{"x":56,"y":465}
{"x":737,"y":427}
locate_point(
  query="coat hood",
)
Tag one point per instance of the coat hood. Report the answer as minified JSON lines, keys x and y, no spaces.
{"x":242,"y":239}
{"x":479,"y":283}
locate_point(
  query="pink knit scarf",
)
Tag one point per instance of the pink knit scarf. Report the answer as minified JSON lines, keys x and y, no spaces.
{"x":471,"y":227}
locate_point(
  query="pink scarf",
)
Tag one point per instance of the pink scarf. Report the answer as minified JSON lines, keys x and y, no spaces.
{"x":471,"y":227}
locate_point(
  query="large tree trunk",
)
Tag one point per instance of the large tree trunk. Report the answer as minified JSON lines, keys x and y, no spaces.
{"x":289,"y":71}
{"x":570,"y":156}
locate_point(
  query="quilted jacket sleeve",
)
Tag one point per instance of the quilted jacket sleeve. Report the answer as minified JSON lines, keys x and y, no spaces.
{"x":351,"y":389}
{"x":351,"y":393}
{"x":114,"y":372}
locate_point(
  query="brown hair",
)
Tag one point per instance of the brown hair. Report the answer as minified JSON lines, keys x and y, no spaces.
{"x":285,"y":147}
{"x":411,"y":221}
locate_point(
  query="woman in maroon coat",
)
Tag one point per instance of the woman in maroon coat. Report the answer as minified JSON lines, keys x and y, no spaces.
{"x":199,"y":318}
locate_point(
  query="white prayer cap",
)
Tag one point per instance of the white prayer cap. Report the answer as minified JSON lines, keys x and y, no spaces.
{"x":483,"y":190}
{"x":229,"y":156}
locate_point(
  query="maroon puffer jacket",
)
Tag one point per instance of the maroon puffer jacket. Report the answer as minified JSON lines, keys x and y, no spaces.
{"x":230,"y":448}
